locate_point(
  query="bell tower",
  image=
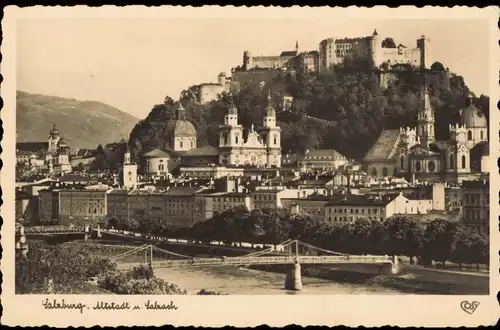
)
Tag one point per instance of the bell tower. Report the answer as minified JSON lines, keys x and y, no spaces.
{"x":271,"y":134}
{"x":230,"y":136}
{"x":129,"y":171}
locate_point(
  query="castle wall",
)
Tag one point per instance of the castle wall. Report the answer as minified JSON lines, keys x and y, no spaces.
{"x":271,"y":62}
{"x":399,"y":56}
{"x":210,"y":92}
{"x":243,"y":78}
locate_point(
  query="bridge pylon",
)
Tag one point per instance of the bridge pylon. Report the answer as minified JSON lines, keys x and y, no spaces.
{"x":293,"y":279}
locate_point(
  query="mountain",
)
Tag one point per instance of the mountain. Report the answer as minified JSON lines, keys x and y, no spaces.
{"x":83,"y":124}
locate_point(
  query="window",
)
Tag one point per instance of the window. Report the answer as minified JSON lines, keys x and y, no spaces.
{"x":236,"y":139}
{"x":161,"y":167}
{"x":275,"y":140}
{"x":432,"y":166}
{"x":418,"y":166}
{"x":192,"y":144}
{"x":482,"y":135}
{"x":463,"y":161}
{"x":452,"y":160}
{"x":374,"y":171}
{"x":385,"y":172}
{"x":469,"y":135}
{"x":181,"y":144}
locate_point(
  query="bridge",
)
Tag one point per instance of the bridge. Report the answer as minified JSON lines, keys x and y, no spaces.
{"x":291,"y":253}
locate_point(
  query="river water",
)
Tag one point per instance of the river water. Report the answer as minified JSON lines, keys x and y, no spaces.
{"x":234,"y":280}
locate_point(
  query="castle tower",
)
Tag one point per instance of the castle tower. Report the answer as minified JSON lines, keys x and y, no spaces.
{"x":230,"y":136}
{"x":53,"y":140}
{"x":423,"y":44}
{"x":129,"y":171}
{"x":375,"y":49}
{"x":222,"y":79}
{"x":271,"y":134}
{"x":425,"y":128}
{"x":247,"y":60}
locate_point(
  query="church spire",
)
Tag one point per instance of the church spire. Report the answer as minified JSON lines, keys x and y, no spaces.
{"x":425,"y":128}
{"x":270,"y":111}
{"x":297,"y":46}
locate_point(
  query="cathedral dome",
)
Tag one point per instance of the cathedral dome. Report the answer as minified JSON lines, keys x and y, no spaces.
{"x":181,"y":126}
{"x":472,"y":117}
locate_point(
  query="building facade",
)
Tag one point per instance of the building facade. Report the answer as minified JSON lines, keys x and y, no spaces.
{"x":414,"y":153}
{"x":261,"y":148}
{"x":476,"y":206}
{"x":370,"y":49}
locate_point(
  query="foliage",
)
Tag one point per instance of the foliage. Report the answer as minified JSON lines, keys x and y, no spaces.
{"x":437,"y":66}
{"x":439,"y":240}
{"x":204,"y":292}
{"x":388,"y":43}
{"x":64,"y":265}
{"x":140,"y":280}
{"x":350,"y":98}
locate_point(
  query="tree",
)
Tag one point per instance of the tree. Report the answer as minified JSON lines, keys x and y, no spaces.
{"x":139,"y":281}
{"x":440,"y":237}
{"x":403,"y":236}
{"x":437,"y":66}
{"x":388,"y":43}
{"x":56,"y":269}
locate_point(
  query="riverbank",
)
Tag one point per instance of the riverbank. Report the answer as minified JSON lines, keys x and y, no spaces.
{"x":411,"y":280}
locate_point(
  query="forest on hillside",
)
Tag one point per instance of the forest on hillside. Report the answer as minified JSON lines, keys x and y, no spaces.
{"x":351,"y":99}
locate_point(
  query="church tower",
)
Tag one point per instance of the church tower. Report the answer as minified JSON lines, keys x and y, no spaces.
{"x":425,"y":127}
{"x":230,"y":136}
{"x":458,"y":154}
{"x":129,"y":172}
{"x":53,"y":140}
{"x":271,"y":134}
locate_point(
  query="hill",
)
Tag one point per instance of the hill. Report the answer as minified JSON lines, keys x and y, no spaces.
{"x":83,"y":124}
{"x":350,"y":99}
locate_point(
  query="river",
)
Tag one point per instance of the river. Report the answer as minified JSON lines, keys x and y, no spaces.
{"x":234,"y":280}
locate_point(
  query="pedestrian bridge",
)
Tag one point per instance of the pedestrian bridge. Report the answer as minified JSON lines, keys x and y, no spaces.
{"x":292,"y":253}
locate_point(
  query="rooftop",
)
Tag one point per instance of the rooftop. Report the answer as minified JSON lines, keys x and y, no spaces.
{"x":385,"y":146}
{"x":323,"y":153}
{"x":290,"y":53}
{"x":360,"y":200}
{"x":158,"y":153}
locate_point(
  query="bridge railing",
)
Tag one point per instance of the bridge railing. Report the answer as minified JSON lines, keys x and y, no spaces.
{"x":263,"y":260}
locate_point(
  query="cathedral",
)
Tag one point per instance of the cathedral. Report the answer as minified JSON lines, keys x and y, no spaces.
{"x":262,"y":148}
{"x":414,"y":153}
{"x":52,"y":155}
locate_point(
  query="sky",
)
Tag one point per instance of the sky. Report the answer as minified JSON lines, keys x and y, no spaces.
{"x":133,"y":63}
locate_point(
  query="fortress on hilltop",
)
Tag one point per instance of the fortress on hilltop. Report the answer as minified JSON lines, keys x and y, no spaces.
{"x":375,"y":52}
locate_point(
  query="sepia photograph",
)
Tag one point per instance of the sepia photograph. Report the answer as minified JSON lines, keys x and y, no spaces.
{"x":257,"y":156}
